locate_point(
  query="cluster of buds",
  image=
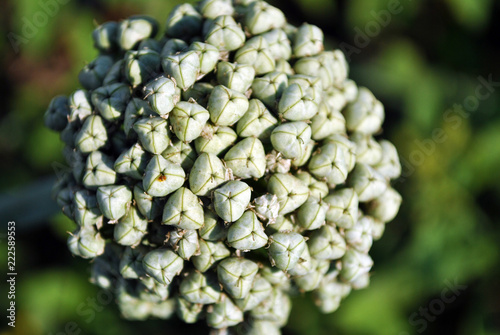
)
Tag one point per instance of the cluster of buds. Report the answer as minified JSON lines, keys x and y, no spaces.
{"x":224,"y":167}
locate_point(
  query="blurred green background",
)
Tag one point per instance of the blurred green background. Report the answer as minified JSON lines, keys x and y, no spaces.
{"x":428,"y":61}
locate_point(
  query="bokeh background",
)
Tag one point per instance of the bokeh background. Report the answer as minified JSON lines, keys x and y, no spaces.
{"x":428,"y":61}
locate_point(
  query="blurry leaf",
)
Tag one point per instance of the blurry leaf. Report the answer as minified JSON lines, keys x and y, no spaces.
{"x":474,"y":14}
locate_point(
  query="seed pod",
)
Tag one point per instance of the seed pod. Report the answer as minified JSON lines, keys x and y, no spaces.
{"x":173,"y":46}
{"x":148,"y":205}
{"x":135,"y":29}
{"x":224,"y":314}
{"x":132,"y":162}
{"x":210,"y":253}
{"x":162,"y":177}
{"x":291,"y":192}
{"x":317,"y":189}
{"x":269,"y":88}
{"x":278,"y":44}
{"x":207,"y":173}
{"x":308,"y":41}
{"x":98,"y":171}
{"x":86,"y":242}
{"x":386,"y":206}
{"x":231,"y":200}
{"x":200,"y":288}
{"x":261,"y":17}
{"x":211,"y":9}
{"x":343,"y":208}
{"x":213,"y":228}
{"x":327,"y":123}
{"x":256,"y":52}
{"x":257,"y":121}
{"x":311,"y":215}
{"x":92,"y":136}
{"x":285,"y":249}
{"x":114,"y":201}
{"x":275,"y":308}
{"x":161,"y":95}
{"x":141,"y":65}
{"x":131,"y":228}
{"x":329,"y":164}
{"x":389,"y":166}
{"x":153,"y":134}
{"x":183,"y":67}
{"x":199,"y":92}
{"x":267,"y":206}
{"x":296,"y":105}
{"x":180,"y":153}
{"x":368,"y":151}
{"x":247,"y":159}
{"x":260,"y":290}
{"x":105,"y":36}
{"x":208,"y":55}
{"x":163,"y":265}
{"x":326,"y":243}
{"x":276,"y":163}
{"x":224,"y":33}
{"x":111,"y":101}
{"x":188,"y":120}
{"x":188,"y":312}
{"x":184,"y":242}
{"x":365,"y":114}
{"x":247,"y":233}
{"x":184,"y":21}
{"x":354,"y":265}
{"x":237,"y":77}
{"x":367,"y":182}
{"x":86,"y":211}
{"x":92,"y":74}
{"x":291,"y":138}
{"x":80,"y":106}
{"x":183,"y":210}
{"x":236,"y":276}
{"x":226,"y":106}
{"x":131,"y":262}
{"x":56,"y":116}
{"x":360,"y":237}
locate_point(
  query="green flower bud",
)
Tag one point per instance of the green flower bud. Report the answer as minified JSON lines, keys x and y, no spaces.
{"x":76,"y":161}
{"x":131,"y":262}
{"x":180,"y":153}
{"x":296,"y":105}
{"x":105,"y":36}
{"x":343,"y":208}
{"x":361,"y":282}
{"x":247,"y":159}
{"x":214,"y":139}
{"x":86,"y":211}
{"x":326,"y":123}
{"x":279,"y":44}
{"x":360,"y":237}
{"x":140,"y":66}
{"x":188,"y":312}
{"x":213,"y":229}
{"x":86,"y":242}
{"x":79,"y":105}
{"x":163,"y":310}
{"x":308,"y":41}
{"x":207,"y":173}
{"x":312,"y":280}
{"x":92,"y":74}
{"x":285,"y":249}
{"x":163,"y":265}
{"x":365,"y":114}
{"x":101,"y":274}
{"x":329,"y":295}
{"x":367,"y":182}
{"x":236,"y":276}
{"x":354,"y":265}
{"x":291,"y":138}
{"x":257,"y":121}
{"x":184,"y":242}
{"x":161,"y":95}
{"x":275,"y":308}
{"x":329,"y":163}
{"x":114,"y":201}
{"x":98,"y":171}
{"x":348,"y":148}
{"x":281,"y":224}
{"x":247,"y":233}
{"x":56,"y":116}
{"x":238,"y":77}
{"x":148,"y":205}
{"x":173,"y":46}
{"x":225,"y":33}
{"x":267,"y":207}
{"x":211,"y":9}
{"x":183,"y":209}
{"x":184,"y":21}
{"x":269,"y":88}
{"x":153,"y":134}
{"x":183,"y":68}
{"x":63,"y":199}
{"x":69,"y":133}
{"x":132,"y":162}
{"x":199,"y":92}
{"x":331,"y":67}
{"x":317,"y":189}
{"x":306,"y":155}
{"x":349,"y":90}
{"x":311,"y":215}
{"x":326,"y":243}
{"x":92,"y":136}
{"x":208,"y":55}
{"x":224,"y":314}
{"x":151,"y":44}
{"x":135,"y":29}
{"x":199,"y":288}
{"x":260,"y":290}
{"x":368,"y":151}
{"x":305,"y":265}
{"x":389,"y":166}
{"x":152,"y":291}
{"x":256,"y":52}
{"x":284,"y":67}
{"x":378,"y":228}
{"x":231,"y":200}
{"x":261,"y":17}
{"x":291,"y":192}
{"x":275,"y":163}
{"x":131,"y":228}
{"x":116,"y":74}
{"x":386,"y":206}
{"x":188,"y":120}
{"x":111,"y":101}
{"x":274,"y":276}
{"x":210,"y":253}
{"x":334,"y":98}
{"x":258,"y":327}
{"x":226,"y":106}
{"x":311,"y":86}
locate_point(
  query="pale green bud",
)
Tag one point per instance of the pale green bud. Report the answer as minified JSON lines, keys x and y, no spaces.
{"x":285,"y":249}
{"x":284,"y":67}
{"x":291,"y":138}
{"x":132,"y":162}
{"x":258,"y":327}
{"x":207,"y":173}
{"x":269,"y":88}
{"x":365,"y":114}
{"x":111,"y":101}
{"x":225,"y":33}
{"x":180,"y":153}
{"x":312,"y":86}
{"x":151,"y":44}
{"x":311,"y":215}
{"x":92,"y":136}
{"x":326,"y":243}
{"x":188,"y":120}
{"x":173,"y":46}
{"x":327,"y":122}
{"x":329,"y":164}
{"x":135,"y":29}
{"x":279,"y":44}
{"x":210,"y":253}
{"x":116,"y":74}
{"x":238,"y":77}
{"x":187,"y":311}
{"x":312,"y":280}
{"x":257,"y":121}
{"x":368,"y":151}
{"x":131,"y":228}
{"x":306,"y":155}
{"x":260,"y":290}
{"x":343,"y":208}
{"x":378,"y":228}
{"x":114,"y":201}
{"x":98,"y":171}
{"x":329,"y":295}
{"x":56,"y":116}
{"x":140,"y":66}
{"x":200,"y":288}
{"x":136,"y":109}
{"x":86,"y":211}
{"x":256,"y":52}
{"x":360,"y":237}
{"x":208,"y":55}
{"x":247,"y":233}
{"x":226,"y":106}
{"x":161,"y":95}
{"x":236,"y":276}
{"x":184,"y":22}
{"x":354,"y":265}
{"x":276,"y":308}
{"x":291,"y":191}
{"x":281,"y":224}
{"x":131,"y":262}
{"x":153,"y":134}
{"x":183,"y":209}
{"x":317,"y":189}
{"x":348,"y":148}
{"x":105,"y":36}
{"x":162,"y":177}
{"x":267,"y":207}
{"x":247,"y":159}
{"x":296,"y":104}
{"x":367,"y":182}
{"x":213,"y":8}
{"x":274,"y":276}
{"x":148,"y":205}
{"x":215,"y":139}
{"x":305,"y":265}
{"x":92,"y":74}
{"x":163,"y":265}
{"x":224,"y":314}
{"x":261,"y":17}
{"x":213,"y":229}
{"x":80,"y":106}
{"x":86,"y":242}
{"x":184,"y":242}
{"x":386,"y":206}
{"x":389,"y":166}
{"x":231,"y":200}
{"x":184,"y":68}
{"x":308,"y":41}
{"x":152,"y":291}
